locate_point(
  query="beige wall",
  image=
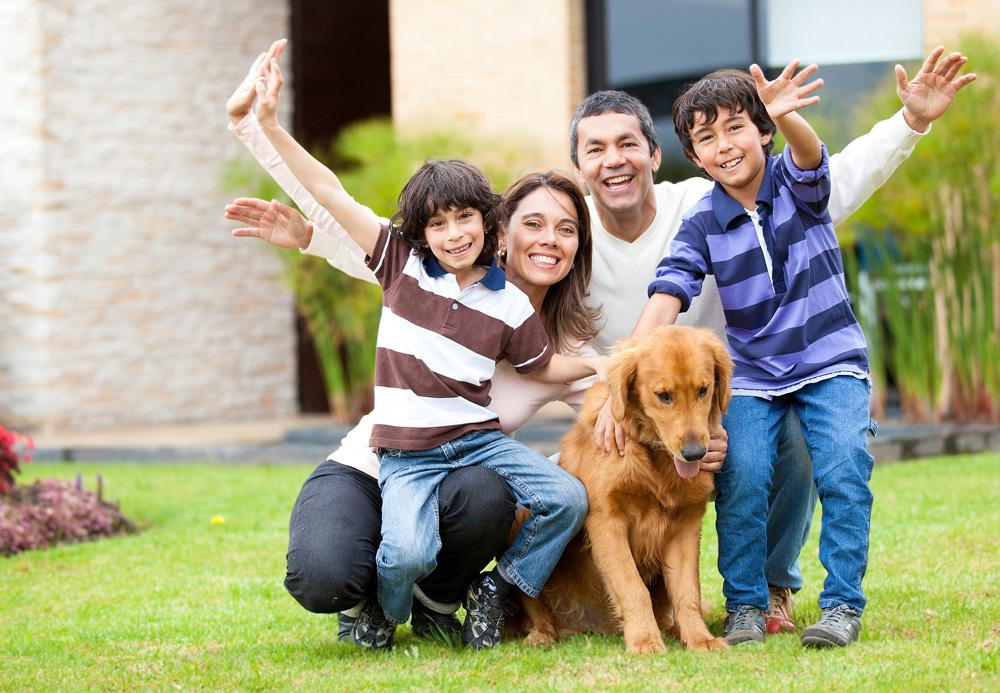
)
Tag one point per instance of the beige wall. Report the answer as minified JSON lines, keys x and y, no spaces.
{"x":946,"y":20}
{"x":123,"y":299}
{"x":514,"y":68}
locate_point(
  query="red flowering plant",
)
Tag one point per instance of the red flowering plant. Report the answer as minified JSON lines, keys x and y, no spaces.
{"x":14,"y":448}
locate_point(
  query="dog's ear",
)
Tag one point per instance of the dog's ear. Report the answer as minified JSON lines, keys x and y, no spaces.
{"x":723,"y":373}
{"x":620,"y":377}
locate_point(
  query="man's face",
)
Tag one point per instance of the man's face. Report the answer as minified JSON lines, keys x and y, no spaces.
{"x":615,"y":163}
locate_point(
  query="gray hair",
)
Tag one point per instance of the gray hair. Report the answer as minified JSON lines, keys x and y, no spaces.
{"x":612,"y":101}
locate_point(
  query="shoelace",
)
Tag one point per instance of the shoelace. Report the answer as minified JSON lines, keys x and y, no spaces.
{"x":778,"y":600}
{"x":839,"y":616}
{"x":746,"y":618}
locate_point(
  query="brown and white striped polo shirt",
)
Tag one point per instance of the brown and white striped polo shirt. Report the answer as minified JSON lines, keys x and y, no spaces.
{"x":438,"y":346}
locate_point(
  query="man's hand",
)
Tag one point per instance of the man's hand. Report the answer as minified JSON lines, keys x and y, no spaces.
{"x":786,"y":93}
{"x":273,"y":222}
{"x":608,"y":432}
{"x":718,"y":444}
{"x":929,"y":94}
{"x":242,"y":99}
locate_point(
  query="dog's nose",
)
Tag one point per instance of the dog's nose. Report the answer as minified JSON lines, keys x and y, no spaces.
{"x":693,"y":452}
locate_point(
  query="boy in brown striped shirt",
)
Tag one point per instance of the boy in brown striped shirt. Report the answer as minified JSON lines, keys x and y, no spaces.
{"x":448,"y":316}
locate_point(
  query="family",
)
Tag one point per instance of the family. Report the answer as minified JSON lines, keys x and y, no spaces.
{"x":496,"y":305}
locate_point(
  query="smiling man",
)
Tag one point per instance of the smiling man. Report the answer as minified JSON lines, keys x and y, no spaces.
{"x":615,"y":154}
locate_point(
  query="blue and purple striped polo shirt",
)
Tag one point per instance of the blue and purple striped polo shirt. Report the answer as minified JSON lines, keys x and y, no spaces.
{"x":788,"y":316}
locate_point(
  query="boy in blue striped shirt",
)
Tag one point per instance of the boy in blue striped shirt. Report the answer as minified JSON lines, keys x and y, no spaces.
{"x":764,"y":233}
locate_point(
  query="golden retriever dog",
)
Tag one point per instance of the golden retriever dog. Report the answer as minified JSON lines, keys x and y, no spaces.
{"x":634,"y":567}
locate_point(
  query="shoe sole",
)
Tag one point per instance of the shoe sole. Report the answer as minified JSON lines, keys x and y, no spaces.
{"x":822,"y":639}
{"x":734,"y":640}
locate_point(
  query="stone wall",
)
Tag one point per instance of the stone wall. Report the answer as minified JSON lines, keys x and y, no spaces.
{"x":514,"y":68}
{"x":946,"y":20}
{"x":123,"y":299}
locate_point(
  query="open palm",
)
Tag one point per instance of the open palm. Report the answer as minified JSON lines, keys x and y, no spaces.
{"x":273,"y":222}
{"x":787,"y":92}
{"x":929,"y":94}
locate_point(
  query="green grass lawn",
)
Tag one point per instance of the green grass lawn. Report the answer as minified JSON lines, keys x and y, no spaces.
{"x":191,"y":604}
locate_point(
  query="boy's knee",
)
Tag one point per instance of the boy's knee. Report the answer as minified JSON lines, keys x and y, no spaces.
{"x":575,"y":504}
{"x":848,"y":480}
{"x":406,"y":562}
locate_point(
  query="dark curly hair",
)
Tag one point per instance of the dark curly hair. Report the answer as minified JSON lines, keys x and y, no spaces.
{"x":442,"y":185}
{"x":730,"y":89}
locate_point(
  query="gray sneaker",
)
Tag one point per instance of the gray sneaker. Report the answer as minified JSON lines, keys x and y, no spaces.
{"x":839,"y":626}
{"x":427,"y":623}
{"x":746,"y":624}
{"x":373,"y":629}
{"x":345,"y":627}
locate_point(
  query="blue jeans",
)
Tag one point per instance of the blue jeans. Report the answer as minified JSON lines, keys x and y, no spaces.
{"x":409,"y":481}
{"x":834,"y":417}
{"x":790,"y":506}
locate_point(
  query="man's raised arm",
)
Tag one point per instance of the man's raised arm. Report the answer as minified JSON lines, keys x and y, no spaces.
{"x":867,"y":162}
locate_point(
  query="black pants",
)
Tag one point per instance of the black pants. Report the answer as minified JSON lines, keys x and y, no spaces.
{"x":335,"y":531}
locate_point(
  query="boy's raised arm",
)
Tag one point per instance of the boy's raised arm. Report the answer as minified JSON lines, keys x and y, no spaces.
{"x":316,"y":178}
{"x":782,"y":97}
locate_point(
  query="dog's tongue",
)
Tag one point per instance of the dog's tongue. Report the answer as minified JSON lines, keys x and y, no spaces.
{"x":685,"y":469}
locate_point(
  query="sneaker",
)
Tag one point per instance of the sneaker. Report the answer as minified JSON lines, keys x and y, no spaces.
{"x":345,"y":627}
{"x":778,"y":618}
{"x":427,"y":623}
{"x":484,"y":613}
{"x":839,"y":626}
{"x":372,"y":628}
{"x":744,"y":625}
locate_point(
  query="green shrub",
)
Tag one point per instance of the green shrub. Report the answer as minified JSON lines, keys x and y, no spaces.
{"x":940,"y":338}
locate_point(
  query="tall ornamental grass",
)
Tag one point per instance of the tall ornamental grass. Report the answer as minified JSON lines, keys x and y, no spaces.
{"x":934,"y":255}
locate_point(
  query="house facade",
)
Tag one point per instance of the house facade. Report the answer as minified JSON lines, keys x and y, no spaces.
{"x":123,"y":298}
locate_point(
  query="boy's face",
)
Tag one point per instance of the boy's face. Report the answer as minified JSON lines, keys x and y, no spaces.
{"x":456,"y":237}
{"x":730,"y":150}
{"x":615,"y":162}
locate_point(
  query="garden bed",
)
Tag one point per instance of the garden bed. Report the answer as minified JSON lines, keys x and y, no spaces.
{"x":54,"y":511}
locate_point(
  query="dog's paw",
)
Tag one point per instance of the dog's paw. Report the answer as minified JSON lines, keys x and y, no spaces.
{"x":650,"y":643}
{"x":708,"y":645}
{"x":537,"y":638}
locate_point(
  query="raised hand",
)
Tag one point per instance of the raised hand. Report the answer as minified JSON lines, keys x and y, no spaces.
{"x":929,"y":94}
{"x":787,"y":92}
{"x":268,"y":88}
{"x":242,"y":99}
{"x":273,"y":222}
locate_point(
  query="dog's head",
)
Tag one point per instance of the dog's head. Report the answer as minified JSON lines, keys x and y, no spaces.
{"x":673,"y":386}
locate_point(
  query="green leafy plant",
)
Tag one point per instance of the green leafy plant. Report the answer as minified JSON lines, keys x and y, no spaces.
{"x":939,"y":337}
{"x":374,"y":162}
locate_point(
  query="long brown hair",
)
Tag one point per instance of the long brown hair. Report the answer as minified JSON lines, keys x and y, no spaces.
{"x":565,"y":314}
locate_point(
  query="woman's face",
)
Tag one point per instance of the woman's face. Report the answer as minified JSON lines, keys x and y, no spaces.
{"x":542,"y":238}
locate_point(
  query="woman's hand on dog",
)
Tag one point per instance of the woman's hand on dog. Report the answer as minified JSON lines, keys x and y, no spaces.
{"x":718,"y":443}
{"x":608,"y":432}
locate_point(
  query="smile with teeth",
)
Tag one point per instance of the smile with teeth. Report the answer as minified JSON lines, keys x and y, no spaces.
{"x":732,"y":163}
{"x":460,"y":250}
{"x":617,"y":180}
{"x":546,"y":260}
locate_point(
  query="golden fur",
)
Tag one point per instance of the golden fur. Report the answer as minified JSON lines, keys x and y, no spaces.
{"x":634,"y":568}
